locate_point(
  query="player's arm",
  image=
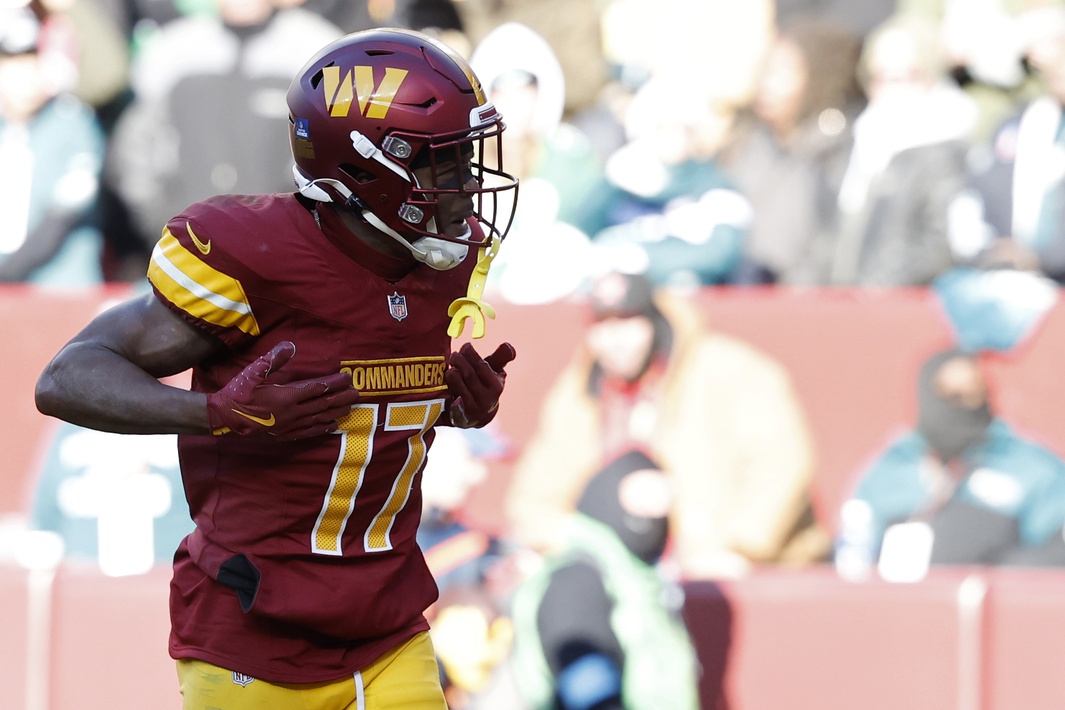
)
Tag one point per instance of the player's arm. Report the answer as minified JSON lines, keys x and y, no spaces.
{"x":108,"y":376}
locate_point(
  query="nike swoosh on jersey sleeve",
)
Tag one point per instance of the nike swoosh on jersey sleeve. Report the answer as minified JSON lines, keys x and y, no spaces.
{"x":199,"y":289}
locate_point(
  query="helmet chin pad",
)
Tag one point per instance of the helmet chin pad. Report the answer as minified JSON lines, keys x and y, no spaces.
{"x":438,"y":253}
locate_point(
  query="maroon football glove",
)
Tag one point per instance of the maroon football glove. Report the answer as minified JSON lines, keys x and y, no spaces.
{"x":252,"y":405}
{"x":476,"y":384}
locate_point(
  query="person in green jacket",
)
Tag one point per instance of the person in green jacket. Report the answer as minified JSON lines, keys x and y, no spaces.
{"x":597,"y":627}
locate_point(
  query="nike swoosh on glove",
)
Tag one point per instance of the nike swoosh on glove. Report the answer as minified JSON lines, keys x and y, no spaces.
{"x":476,"y":384}
{"x":251,"y":404}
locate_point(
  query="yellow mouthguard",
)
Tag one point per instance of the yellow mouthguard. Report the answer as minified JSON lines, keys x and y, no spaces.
{"x":471,"y":306}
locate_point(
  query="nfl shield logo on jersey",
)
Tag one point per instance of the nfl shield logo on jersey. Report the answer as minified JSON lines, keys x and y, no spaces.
{"x":241,"y":679}
{"x":397,"y":306}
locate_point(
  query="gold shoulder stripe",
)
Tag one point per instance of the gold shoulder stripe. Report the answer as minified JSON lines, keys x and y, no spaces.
{"x":198,"y":289}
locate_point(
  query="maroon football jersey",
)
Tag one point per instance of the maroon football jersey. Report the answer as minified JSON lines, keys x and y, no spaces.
{"x":326,"y":526}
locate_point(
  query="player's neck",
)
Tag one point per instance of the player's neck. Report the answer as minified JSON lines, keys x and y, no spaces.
{"x":365,"y":245}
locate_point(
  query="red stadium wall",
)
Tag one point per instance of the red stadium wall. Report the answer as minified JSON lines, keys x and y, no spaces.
{"x":969,"y":639}
{"x":853,"y":357}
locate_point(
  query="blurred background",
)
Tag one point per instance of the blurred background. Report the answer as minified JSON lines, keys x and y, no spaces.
{"x":809,"y":203}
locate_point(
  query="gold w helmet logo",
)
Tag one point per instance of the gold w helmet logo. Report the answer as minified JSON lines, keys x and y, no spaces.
{"x":374,"y":101}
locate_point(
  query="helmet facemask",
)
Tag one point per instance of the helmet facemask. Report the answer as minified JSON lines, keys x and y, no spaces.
{"x":447,"y":185}
{"x":469,"y":166}
{"x":444,"y":167}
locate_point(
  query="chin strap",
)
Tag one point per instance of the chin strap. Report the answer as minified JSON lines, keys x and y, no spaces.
{"x":471,"y":306}
{"x":438,"y":254}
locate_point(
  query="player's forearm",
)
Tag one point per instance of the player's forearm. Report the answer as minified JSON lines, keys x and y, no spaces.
{"x":96,"y":388}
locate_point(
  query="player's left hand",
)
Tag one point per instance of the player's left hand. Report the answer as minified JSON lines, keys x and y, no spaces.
{"x":476,"y":384}
{"x":255,"y":403}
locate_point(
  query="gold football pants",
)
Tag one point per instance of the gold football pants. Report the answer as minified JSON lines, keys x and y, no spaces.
{"x":405,"y":678}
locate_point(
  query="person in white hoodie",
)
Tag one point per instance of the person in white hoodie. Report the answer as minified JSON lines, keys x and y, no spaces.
{"x":559,"y":169}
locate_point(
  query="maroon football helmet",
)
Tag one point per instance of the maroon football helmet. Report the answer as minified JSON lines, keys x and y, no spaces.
{"x":372,"y":106}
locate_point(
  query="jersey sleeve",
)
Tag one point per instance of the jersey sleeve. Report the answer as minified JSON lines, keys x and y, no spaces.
{"x":193,"y":273}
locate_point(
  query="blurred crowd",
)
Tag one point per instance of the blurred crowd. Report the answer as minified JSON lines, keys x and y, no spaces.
{"x":801,"y":143}
{"x":661,"y":147}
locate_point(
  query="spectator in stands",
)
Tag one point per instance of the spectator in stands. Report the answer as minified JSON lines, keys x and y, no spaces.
{"x":960,"y":488}
{"x":720,"y":417}
{"x":788,"y":150}
{"x":595,"y":626}
{"x":437,"y":18}
{"x":669,"y":210}
{"x":716,"y":47}
{"x":860,"y":18}
{"x":907,"y":164}
{"x":571,"y":27}
{"x":1005,"y":230}
{"x":116,"y":501}
{"x":559,"y":170}
{"x":985,"y":44}
{"x":99,"y":39}
{"x":998,"y":300}
{"x":474,"y":570}
{"x":51,"y":150}
{"x":985,"y":47}
{"x":192,"y":128}
{"x":458,"y":465}
{"x":351,"y":15}
{"x":89,"y":52}
{"x":1018,"y":177}
{"x":112,"y":34}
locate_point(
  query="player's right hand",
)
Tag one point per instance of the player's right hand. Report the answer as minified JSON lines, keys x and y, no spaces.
{"x":252,"y":405}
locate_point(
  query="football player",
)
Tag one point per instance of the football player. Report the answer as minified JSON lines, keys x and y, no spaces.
{"x":318,"y":326}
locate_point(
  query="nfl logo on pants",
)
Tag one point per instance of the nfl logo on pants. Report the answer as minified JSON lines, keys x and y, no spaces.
{"x":241,"y":679}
